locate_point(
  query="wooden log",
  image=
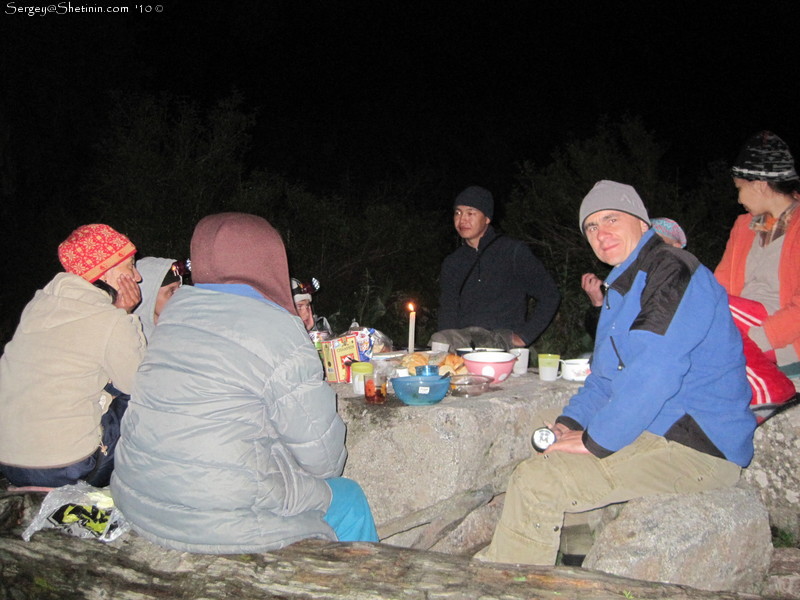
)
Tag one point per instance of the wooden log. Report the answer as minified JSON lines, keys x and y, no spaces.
{"x":56,"y":566}
{"x":434,"y":522}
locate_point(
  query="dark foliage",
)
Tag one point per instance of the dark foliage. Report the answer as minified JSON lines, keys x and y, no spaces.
{"x":161,"y":163}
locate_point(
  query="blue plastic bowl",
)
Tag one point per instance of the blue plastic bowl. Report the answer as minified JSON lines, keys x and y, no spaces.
{"x":420,"y":390}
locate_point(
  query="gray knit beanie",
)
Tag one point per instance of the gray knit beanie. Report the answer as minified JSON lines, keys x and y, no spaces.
{"x":476,"y":197}
{"x":765,"y":157}
{"x":610,"y":195}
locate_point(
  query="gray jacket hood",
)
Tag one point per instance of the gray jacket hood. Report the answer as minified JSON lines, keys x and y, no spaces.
{"x":153,"y":270}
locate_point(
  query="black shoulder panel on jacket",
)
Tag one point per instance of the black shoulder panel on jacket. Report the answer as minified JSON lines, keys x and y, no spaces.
{"x":668,"y":270}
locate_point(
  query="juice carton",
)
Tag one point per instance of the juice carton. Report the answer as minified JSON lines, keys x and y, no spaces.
{"x":337,"y":355}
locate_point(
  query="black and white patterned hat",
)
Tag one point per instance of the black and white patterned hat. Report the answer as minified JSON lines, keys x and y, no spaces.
{"x":765,"y":157}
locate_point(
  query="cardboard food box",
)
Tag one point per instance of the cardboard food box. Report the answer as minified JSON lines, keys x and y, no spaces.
{"x":337,"y":355}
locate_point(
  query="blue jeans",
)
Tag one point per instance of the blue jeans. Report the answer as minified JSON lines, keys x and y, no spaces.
{"x":94,"y":470}
{"x":349,"y":514}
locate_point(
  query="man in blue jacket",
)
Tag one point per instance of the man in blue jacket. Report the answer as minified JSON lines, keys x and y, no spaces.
{"x":665,"y":409}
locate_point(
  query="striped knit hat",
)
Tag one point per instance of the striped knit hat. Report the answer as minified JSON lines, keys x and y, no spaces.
{"x":91,"y":250}
{"x":765,"y":157}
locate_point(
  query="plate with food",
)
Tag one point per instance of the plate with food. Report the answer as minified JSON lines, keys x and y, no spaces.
{"x":449,"y":364}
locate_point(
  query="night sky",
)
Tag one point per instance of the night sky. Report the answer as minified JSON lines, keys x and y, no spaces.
{"x":369,"y":89}
{"x":362,"y":91}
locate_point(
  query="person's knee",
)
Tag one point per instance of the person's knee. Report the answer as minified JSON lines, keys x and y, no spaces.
{"x":539,"y":483}
{"x":348,"y":493}
{"x":349,"y":513}
{"x":346,"y":487}
{"x":533,"y":469}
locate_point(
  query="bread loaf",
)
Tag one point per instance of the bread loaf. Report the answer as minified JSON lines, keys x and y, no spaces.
{"x":412,"y":361}
{"x":452,"y":365}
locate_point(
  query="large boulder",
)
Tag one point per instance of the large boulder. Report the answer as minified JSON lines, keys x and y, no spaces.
{"x":784,"y":575}
{"x":424,"y":469}
{"x":775,"y":469}
{"x":714,"y":540}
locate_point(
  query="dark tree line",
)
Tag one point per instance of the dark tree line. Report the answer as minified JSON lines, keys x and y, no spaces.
{"x":159,"y":163}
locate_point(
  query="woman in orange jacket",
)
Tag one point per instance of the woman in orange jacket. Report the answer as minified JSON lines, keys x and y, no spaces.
{"x":761,"y":262}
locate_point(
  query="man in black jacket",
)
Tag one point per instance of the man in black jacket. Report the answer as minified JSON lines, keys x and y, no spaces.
{"x":485,"y":284}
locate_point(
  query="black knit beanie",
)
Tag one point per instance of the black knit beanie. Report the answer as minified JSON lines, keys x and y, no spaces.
{"x":476,"y":197}
{"x":765,"y":157}
{"x":172,"y":276}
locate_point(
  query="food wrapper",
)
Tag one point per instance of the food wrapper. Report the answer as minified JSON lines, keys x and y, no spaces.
{"x":364,"y":343}
{"x":80,"y":510}
{"x":370,"y":341}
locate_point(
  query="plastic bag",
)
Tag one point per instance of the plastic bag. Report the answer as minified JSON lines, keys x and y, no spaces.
{"x":380,"y":341}
{"x":81,"y":510}
{"x":370,"y":341}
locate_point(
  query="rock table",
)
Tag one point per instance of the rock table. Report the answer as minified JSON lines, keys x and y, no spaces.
{"x":424,"y":469}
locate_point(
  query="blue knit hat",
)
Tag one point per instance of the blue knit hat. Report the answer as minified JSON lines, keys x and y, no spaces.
{"x":476,"y":197}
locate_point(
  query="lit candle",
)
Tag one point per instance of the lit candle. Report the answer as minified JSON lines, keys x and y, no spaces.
{"x":412,"y":320}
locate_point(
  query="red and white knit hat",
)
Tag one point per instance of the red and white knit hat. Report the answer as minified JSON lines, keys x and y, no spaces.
{"x":91,"y":250}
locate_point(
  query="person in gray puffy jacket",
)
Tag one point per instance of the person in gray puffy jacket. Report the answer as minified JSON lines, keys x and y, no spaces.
{"x":231,"y":442}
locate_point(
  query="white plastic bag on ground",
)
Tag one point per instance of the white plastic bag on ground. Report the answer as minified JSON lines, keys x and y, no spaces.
{"x":81,"y":510}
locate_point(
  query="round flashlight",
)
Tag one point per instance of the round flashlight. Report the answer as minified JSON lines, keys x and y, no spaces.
{"x":542,"y":439}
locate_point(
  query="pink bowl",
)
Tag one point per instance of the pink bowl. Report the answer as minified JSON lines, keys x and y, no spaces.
{"x":497,"y":365}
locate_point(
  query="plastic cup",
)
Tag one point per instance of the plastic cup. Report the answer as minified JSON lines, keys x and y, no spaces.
{"x":359,"y":370}
{"x":575,"y":369}
{"x":548,"y":367}
{"x":427,"y":370}
{"x":523,"y":357}
{"x":375,"y":388}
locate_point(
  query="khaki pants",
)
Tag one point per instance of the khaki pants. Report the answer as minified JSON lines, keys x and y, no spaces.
{"x":545,"y":487}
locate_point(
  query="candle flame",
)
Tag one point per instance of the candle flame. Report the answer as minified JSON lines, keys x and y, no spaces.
{"x":410,"y":307}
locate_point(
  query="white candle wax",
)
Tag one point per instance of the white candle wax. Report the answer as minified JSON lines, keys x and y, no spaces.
{"x":412,"y":320}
